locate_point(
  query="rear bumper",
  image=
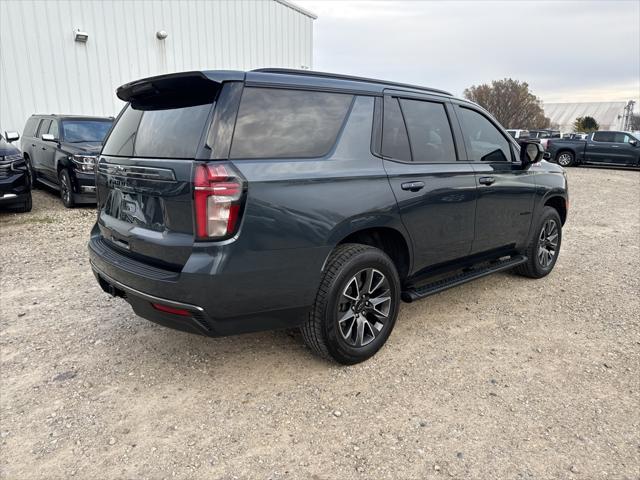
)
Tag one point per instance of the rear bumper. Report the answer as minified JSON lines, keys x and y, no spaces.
{"x":217,"y":303}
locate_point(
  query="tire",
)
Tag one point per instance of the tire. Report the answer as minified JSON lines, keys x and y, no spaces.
{"x":541,"y":252}
{"x":566,"y":159}
{"x":24,"y":206}
{"x":32,"y":174}
{"x":66,"y":189}
{"x":349,"y":323}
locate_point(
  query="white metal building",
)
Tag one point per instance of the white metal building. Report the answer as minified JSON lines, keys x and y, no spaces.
{"x":46,"y":67}
{"x":609,"y":115}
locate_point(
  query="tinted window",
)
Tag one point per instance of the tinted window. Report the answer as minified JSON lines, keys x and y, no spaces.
{"x":484,"y":141}
{"x":53,"y":129}
{"x":620,"y":137}
{"x":77,"y":131}
{"x":430,"y":135}
{"x":30,"y":127}
{"x":604,"y":137}
{"x":168,"y":133}
{"x":277,"y":123}
{"x":395,"y":142}
{"x":172,"y":133}
{"x":123,"y":134}
{"x":44,"y":127}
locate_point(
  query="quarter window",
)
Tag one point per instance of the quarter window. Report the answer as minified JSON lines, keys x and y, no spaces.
{"x":484,"y":141}
{"x":395,"y":141}
{"x":430,"y":135}
{"x":280,"y":123}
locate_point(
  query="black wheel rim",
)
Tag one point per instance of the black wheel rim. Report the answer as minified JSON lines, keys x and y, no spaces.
{"x":65,"y":189}
{"x":364,"y":307}
{"x":548,"y":243}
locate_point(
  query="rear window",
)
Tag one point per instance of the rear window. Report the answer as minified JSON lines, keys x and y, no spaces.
{"x":280,"y":123}
{"x":166,"y":133}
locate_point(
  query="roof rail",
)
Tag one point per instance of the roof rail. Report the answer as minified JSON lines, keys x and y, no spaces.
{"x":313,"y":73}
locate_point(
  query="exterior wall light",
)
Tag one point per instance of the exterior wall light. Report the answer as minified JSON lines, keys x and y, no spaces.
{"x":161,"y":34}
{"x":80,"y":36}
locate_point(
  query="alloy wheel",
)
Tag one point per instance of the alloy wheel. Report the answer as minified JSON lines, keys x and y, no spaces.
{"x":565,"y":159}
{"x":548,"y":243}
{"x":364,"y":307}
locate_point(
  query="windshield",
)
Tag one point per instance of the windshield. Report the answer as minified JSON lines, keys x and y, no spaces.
{"x":76,"y":131}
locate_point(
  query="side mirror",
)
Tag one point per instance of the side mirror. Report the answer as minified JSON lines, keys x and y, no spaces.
{"x":633,"y":142}
{"x":530,"y":152}
{"x":47,"y":137}
{"x":11,"y":136}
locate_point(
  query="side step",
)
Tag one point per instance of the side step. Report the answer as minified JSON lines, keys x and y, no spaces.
{"x":415,"y":293}
{"x":48,"y":183}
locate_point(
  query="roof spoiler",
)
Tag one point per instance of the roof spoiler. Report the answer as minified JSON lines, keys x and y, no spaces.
{"x":175,"y":90}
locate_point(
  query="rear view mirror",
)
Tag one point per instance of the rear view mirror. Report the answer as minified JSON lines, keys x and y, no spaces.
{"x":47,"y":137}
{"x":530,"y":152}
{"x":11,"y":136}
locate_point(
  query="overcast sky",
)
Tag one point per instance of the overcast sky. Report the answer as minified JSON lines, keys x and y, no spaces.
{"x":566,"y":50}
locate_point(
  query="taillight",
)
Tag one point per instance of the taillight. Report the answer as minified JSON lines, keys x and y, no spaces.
{"x":217,"y":198}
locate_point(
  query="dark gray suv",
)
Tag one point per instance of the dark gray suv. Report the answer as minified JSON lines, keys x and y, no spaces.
{"x":233,"y":202}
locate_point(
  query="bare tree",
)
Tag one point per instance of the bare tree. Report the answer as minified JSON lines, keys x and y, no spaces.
{"x":511,"y":102}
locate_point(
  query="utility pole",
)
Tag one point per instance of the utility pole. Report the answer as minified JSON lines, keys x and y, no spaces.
{"x":627,"y":115}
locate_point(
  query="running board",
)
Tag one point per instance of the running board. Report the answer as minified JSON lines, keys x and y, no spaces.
{"x":48,"y":183}
{"x":415,"y":293}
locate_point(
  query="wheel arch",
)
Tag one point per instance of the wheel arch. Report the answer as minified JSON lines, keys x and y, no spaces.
{"x":559,"y":203}
{"x":388,"y":239}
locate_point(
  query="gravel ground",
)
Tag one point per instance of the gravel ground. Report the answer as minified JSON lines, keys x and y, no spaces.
{"x":503,"y":378}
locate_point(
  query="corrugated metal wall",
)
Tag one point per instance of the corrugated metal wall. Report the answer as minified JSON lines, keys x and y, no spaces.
{"x":43,"y":70}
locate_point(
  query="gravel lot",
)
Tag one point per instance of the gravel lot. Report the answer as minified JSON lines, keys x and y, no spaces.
{"x":503,"y":378}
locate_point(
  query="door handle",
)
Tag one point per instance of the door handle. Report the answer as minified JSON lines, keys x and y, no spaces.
{"x":486,"y":180}
{"x":412,"y":186}
{"x":44,"y":148}
{"x":33,"y":144}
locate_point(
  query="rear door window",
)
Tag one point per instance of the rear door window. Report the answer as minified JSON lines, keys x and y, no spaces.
{"x":281,"y":123}
{"x":485,"y":143}
{"x":608,"y":137}
{"x":395,"y":141}
{"x":164,"y":133}
{"x":30,"y":127}
{"x":430,"y":134}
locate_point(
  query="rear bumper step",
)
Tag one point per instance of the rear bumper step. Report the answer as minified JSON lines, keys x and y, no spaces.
{"x":415,"y":293}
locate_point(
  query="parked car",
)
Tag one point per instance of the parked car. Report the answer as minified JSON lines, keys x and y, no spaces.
{"x":232,"y":202}
{"x":600,"y":148}
{"x":15,"y":187}
{"x":518,"y":134}
{"x":61,"y":152}
{"x":544,"y":135}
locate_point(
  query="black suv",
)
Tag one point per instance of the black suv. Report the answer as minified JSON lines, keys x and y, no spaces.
{"x":61,"y":152}
{"x":15,"y":186}
{"x":232,"y":202}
